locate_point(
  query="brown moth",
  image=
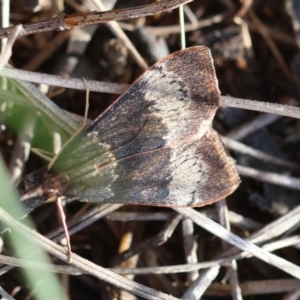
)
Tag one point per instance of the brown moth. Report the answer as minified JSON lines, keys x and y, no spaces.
{"x":153,"y":146}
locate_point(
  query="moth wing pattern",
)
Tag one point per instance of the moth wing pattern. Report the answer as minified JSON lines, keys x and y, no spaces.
{"x":145,"y":146}
{"x":192,"y":173}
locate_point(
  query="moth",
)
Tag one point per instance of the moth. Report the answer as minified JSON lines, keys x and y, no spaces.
{"x":153,"y":146}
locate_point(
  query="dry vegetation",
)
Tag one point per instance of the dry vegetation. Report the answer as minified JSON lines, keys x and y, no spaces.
{"x":255,"y":46}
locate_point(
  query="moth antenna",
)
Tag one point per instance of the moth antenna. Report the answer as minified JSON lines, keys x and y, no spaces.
{"x":87,"y":104}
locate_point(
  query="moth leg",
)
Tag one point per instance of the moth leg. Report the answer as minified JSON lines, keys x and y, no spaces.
{"x":64,"y":224}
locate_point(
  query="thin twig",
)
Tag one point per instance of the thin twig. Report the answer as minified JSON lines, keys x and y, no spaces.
{"x":60,"y":81}
{"x":232,"y":266}
{"x":242,"y":148}
{"x":22,"y":147}
{"x":47,"y":106}
{"x":260,"y":121}
{"x":271,"y":108}
{"x":190,"y":246}
{"x":5,"y":10}
{"x":5,"y":295}
{"x":116,"y":88}
{"x":75,"y":225}
{"x":199,"y":286}
{"x":7,"y":50}
{"x":77,"y":20}
{"x":233,"y":239}
{"x":279,"y":179}
{"x":11,"y":261}
{"x":81,"y":263}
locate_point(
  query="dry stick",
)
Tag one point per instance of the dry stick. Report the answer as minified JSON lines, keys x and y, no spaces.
{"x":47,"y":267}
{"x":87,"y":101}
{"x":268,"y":232}
{"x":190,"y":246}
{"x":138,"y":216}
{"x":242,"y":148}
{"x":77,"y":20}
{"x":197,"y":289}
{"x":76,"y":225}
{"x":283,"y":180}
{"x":283,"y":243}
{"x":235,"y":240}
{"x":11,"y":261}
{"x":290,"y":241}
{"x":267,"y":107}
{"x":60,"y":81}
{"x":252,"y":125}
{"x":115,"y":88}
{"x":175,"y":29}
{"x":190,"y":14}
{"x":275,"y":228}
{"x":199,"y":286}
{"x":5,"y":10}
{"x":246,"y":37}
{"x":47,"y":106}
{"x":246,"y":4}
{"x":261,"y":287}
{"x":81,"y":263}
{"x":22,"y":147}
{"x":7,"y":51}
{"x":5,"y":295}
{"x":242,"y":222}
{"x":234,"y":218}
{"x":5,"y":13}
{"x":16,"y":262}
{"x":232,"y":267}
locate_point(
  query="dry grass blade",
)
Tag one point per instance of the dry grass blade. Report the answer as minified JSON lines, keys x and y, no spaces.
{"x":283,"y":180}
{"x":7,"y":51}
{"x":81,"y":263}
{"x":271,"y":108}
{"x":233,"y":239}
{"x":71,"y":83}
{"x":248,"y":65}
{"x":117,"y":88}
{"x":47,"y":106}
